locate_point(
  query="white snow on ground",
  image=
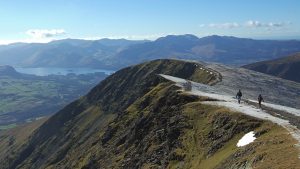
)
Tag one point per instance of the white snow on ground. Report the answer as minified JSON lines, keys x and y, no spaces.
{"x":246,"y":139}
{"x":230,"y":102}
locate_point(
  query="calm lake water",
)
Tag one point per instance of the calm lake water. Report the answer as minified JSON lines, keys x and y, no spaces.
{"x":61,"y":71}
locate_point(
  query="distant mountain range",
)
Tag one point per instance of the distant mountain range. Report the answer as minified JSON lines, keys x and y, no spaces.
{"x":286,"y":67}
{"x":115,"y":54}
{"x":222,"y":49}
{"x":64,"y":53}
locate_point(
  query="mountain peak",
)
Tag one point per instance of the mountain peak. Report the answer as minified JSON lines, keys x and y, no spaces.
{"x":189,"y":37}
{"x":218,"y":37}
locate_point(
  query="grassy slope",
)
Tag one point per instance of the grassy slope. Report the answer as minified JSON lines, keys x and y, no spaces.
{"x":274,"y":147}
{"x":207,"y":140}
{"x":61,"y":134}
{"x":12,"y":139}
{"x":135,"y":119}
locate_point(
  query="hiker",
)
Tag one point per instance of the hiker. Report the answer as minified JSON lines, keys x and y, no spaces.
{"x":260,"y":99}
{"x":239,"y":96}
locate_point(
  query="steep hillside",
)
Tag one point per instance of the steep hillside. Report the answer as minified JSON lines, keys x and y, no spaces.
{"x":137,"y":119}
{"x":12,"y":139}
{"x":285,"y":67}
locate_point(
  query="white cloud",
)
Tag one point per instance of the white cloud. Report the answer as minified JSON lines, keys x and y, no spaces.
{"x":248,"y":24}
{"x":45,"y":33}
{"x":37,"y":36}
{"x":227,"y":25}
{"x":276,"y":24}
{"x":252,"y":23}
{"x":257,"y":24}
{"x":202,"y":25}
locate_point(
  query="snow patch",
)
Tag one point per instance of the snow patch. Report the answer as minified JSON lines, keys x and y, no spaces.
{"x":246,"y":139}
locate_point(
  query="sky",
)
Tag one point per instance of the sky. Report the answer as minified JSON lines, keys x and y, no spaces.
{"x":42,"y":21}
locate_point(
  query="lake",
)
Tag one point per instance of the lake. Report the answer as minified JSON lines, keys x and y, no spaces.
{"x":44,"y":71}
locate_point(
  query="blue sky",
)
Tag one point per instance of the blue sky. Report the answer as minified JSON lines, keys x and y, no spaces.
{"x":38,"y":21}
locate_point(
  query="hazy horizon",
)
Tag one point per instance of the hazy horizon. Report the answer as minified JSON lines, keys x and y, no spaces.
{"x":124,"y":38}
{"x":40,"y":21}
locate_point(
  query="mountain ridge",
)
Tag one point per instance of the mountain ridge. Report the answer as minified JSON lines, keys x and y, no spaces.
{"x":285,"y":67}
{"x":221,"y":49}
{"x":119,"y":53}
{"x":137,"y":119}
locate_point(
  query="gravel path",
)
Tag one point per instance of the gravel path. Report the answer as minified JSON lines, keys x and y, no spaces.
{"x":274,"y":90}
{"x":223,"y":96}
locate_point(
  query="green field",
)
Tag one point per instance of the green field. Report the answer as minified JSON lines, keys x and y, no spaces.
{"x":9,"y":126}
{"x":25,"y":98}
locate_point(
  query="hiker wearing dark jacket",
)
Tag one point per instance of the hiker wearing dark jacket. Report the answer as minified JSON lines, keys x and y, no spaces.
{"x":260,"y":99}
{"x":239,"y":96}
